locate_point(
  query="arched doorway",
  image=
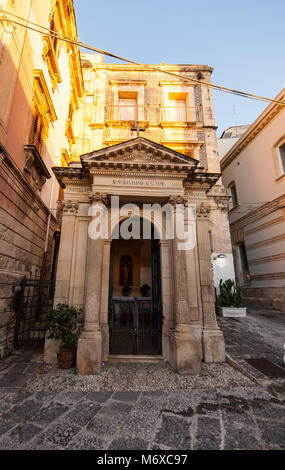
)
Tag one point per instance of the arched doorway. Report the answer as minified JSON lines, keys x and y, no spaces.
{"x":135,"y":317}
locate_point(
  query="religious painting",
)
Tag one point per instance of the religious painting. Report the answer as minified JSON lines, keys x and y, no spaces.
{"x":126,"y":270}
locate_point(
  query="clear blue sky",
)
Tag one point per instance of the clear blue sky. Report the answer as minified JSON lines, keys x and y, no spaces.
{"x":242,"y":40}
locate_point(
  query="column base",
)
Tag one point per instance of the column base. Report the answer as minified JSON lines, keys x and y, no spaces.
{"x":185,"y":355}
{"x":89,"y":353}
{"x":214,"y":345}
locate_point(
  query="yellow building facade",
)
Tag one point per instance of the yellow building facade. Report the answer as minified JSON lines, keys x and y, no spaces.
{"x":41,"y":83}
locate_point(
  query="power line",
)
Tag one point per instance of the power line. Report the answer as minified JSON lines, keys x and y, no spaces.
{"x":147,"y":67}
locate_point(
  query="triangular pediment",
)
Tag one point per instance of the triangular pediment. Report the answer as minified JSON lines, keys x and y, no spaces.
{"x":138,"y":151}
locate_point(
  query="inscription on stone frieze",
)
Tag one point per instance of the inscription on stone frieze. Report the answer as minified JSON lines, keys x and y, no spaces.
{"x":128,"y":182}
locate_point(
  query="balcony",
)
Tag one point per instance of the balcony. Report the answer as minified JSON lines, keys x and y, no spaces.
{"x":129,"y":114}
{"x":181,"y":115}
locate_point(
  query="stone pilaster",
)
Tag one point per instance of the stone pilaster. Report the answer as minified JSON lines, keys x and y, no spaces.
{"x":185,"y":349}
{"x":67,"y":212}
{"x":213,"y":339}
{"x":89,"y":350}
{"x":105,"y":299}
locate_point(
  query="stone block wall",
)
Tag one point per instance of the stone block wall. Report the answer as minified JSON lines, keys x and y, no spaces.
{"x":23,"y":226}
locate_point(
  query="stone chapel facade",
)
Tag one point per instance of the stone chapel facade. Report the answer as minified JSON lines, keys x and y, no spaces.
{"x":143,"y":299}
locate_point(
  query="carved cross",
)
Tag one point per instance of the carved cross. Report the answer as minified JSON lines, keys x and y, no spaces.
{"x":138,"y":129}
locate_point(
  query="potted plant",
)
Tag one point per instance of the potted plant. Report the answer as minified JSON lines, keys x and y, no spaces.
{"x":62,"y":324}
{"x":230,"y":300}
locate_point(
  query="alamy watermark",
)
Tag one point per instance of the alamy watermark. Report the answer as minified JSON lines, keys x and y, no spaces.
{"x":129,"y":221}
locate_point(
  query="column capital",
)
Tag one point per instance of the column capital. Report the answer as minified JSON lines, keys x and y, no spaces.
{"x":203,"y":211}
{"x":179,"y":199}
{"x":97,"y":198}
{"x":68,"y":208}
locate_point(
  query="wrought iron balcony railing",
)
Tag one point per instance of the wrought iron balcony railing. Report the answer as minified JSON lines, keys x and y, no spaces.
{"x":185,"y":114}
{"x":127,"y":113}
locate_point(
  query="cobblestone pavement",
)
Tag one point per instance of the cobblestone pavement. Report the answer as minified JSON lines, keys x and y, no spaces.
{"x":260,"y":334}
{"x":248,"y":415}
{"x":242,"y":418}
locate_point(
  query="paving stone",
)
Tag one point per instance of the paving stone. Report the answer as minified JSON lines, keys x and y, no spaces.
{"x":128,"y":443}
{"x":45,"y":396}
{"x":18,"y":368}
{"x":116,"y":408}
{"x":83,"y":413}
{"x":23,"y":411}
{"x":208,"y":434}
{"x":240,"y":436}
{"x":267,"y":410}
{"x":59,"y":434}
{"x":236,"y":415}
{"x":32,"y":368}
{"x":69,"y":398}
{"x":100,"y":397}
{"x":139,"y":425}
{"x":5,"y":425}
{"x":209,"y":409}
{"x":126,"y":396}
{"x":49,"y":413}
{"x":154,"y":394}
{"x":180,"y":405}
{"x":272,"y":433}
{"x":174,"y":433}
{"x":13,"y":380}
{"x":24,"y":432}
{"x":145,"y":405}
{"x":104,"y":426}
{"x":87,"y":441}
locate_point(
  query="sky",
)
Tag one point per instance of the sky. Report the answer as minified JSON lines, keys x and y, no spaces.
{"x":243,"y":41}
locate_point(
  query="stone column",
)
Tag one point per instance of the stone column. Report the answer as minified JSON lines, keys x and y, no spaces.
{"x":68,"y":210}
{"x":185,"y":349}
{"x":213,"y":339}
{"x":89,"y":350}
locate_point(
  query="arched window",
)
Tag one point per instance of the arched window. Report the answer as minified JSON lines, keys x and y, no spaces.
{"x":126,"y":270}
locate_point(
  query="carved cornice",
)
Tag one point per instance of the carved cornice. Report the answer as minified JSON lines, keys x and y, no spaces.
{"x":259,"y":124}
{"x":260,"y":212}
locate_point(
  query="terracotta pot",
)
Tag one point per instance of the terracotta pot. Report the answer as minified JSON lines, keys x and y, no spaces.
{"x":66,"y":358}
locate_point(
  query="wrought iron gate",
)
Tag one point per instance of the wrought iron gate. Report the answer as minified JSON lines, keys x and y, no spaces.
{"x":135,"y":326}
{"x":33,"y":298}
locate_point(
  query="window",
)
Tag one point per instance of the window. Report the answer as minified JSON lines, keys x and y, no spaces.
{"x":281,"y":151}
{"x":52,"y":29}
{"x":128,"y":108}
{"x":244,"y":269}
{"x":177,"y":111}
{"x":233,"y":192}
{"x":36,"y":137}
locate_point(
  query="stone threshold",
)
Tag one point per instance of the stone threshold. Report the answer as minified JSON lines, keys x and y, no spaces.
{"x":135,"y":358}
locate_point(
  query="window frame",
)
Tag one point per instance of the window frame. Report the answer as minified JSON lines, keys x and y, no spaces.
{"x":230,"y":187}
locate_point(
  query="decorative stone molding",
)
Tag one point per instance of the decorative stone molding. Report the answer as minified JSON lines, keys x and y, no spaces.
{"x":203,"y":211}
{"x":35,"y":169}
{"x":97,"y":198}
{"x":68,"y":207}
{"x":49,"y":57}
{"x":222,"y":204}
{"x":179,"y":199}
